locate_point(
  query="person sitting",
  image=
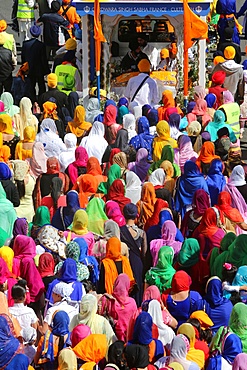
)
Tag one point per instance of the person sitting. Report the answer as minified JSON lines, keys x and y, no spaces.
{"x":133,"y":57}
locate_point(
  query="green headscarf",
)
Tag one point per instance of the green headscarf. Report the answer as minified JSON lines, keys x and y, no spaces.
{"x":42,"y":216}
{"x":167,"y":154}
{"x":96,"y":215}
{"x":189,"y":253}
{"x":238,"y":251}
{"x":161,"y":275}
{"x":7,"y":213}
{"x":238,"y":322}
{"x":114,"y":174}
{"x":217,"y":259}
{"x":3,"y":237}
{"x":72,"y":250}
{"x":218,"y":340}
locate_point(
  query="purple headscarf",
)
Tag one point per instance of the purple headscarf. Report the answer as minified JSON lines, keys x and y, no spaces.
{"x":20,"y":227}
{"x":228,"y":97}
{"x":141,"y":166}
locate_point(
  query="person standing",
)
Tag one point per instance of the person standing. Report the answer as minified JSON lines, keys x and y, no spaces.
{"x":33,"y":52}
{"x":9,"y":40}
{"x":7,"y":65}
{"x":25,"y":17}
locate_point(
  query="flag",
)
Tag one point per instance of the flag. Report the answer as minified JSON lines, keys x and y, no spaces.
{"x":98,"y":33}
{"x":194,"y":28}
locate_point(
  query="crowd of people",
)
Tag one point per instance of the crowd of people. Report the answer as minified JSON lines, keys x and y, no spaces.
{"x":123,"y":223}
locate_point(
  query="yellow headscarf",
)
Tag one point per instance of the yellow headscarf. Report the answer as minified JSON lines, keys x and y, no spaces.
{"x":50,"y":110}
{"x":163,"y":130}
{"x":91,"y":349}
{"x":29,"y":134}
{"x":164,"y":138}
{"x":79,"y":126}
{"x":203,"y":318}
{"x":7,"y":254}
{"x":6,"y":124}
{"x":80,"y":222}
{"x":67,"y":359}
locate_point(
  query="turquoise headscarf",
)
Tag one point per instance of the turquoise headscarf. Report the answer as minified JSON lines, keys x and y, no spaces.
{"x":7,"y":213}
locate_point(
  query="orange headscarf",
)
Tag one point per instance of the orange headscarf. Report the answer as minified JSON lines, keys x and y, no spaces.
{"x":207,"y":154}
{"x":87,"y":185}
{"x":50,"y":110}
{"x":79,"y":126}
{"x":29,"y":134}
{"x":4,"y":150}
{"x":93,"y":168}
{"x":146,"y":204}
{"x":168,"y":102}
{"x":91,"y":350}
{"x":113,"y":253}
{"x":208,"y":225}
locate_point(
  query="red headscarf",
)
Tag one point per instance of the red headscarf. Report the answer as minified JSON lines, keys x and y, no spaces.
{"x":224,"y":205}
{"x":93,"y":167}
{"x":154,"y":219}
{"x":53,"y":166}
{"x":208,"y":225}
{"x":88,"y":186}
{"x":110,"y":115}
{"x":46,"y":265}
{"x":81,"y":158}
{"x":116,"y":193}
{"x":207,"y":154}
{"x":201,"y":202}
{"x":181,"y":282}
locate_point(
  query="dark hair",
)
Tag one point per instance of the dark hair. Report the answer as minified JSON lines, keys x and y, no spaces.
{"x":22,"y":283}
{"x":56,"y":190}
{"x":20,"y":187}
{"x":205,"y":335}
{"x":229,"y":275}
{"x":18,"y":292}
{"x":115,"y":354}
{"x":88,"y":285}
{"x":197,"y":325}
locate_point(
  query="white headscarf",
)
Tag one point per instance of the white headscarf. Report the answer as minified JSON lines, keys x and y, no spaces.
{"x":63,"y":289}
{"x":95,"y":143}
{"x":166,"y":334}
{"x":53,"y":145}
{"x":92,"y":110}
{"x":129,"y":123}
{"x":67,"y":157}
{"x":237,"y":177}
{"x":157,"y":177}
{"x":133,"y":187}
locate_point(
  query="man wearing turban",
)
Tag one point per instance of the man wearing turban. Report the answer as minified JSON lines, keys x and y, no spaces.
{"x":218,"y":79}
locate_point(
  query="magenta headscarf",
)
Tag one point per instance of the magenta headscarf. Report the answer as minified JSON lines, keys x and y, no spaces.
{"x":168,"y":234}
{"x":201,"y":202}
{"x":1,"y":106}
{"x":114,"y":213}
{"x":169,"y":112}
{"x":186,"y":151}
{"x":81,"y":159}
{"x":121,"y":288}
{"x":228,"y":97}
{"x":4,"y":271}
{"x":80,"y":332}
{"x":240,"y":362}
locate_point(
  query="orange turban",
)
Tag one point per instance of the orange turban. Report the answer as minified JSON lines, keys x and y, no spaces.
{"x":3,"y":25}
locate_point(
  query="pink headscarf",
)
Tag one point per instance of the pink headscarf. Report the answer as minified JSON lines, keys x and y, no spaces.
{"x":38,"y":161}
{"x":170,"y":111}
{"x":227,"y":97}
{"x":114,"y":213}
{"x":200,"y":108}
{"x":240,"y":362}
{"x":152,"y":292}
{"x":1,"y":106}
{"x":121,"y":288}
{"x":186,"y":151}
{"x":81,"y":159}
{"x":110,"y":115}
{"x":4,"y":271}
{"x":168,"y":234}
{"x":80,"y":332}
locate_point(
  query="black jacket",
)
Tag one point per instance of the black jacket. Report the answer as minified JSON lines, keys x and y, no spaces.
{"x":11,"y":192}
{"x":52,"y":22}
{"x":33,"y":52}
{"x":61,"y":99}
{"x":6,"y":64}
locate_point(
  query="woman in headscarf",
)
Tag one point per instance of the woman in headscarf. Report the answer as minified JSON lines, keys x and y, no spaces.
{"x":129,"y":124}
{"x":88,"y":316}
{"x":95,"y":143}
{"x":116,"y":193}
{"x":162,"y":273}
{"x":237,"y":180}
{"x":146,"y":204}
{"x":168,"y":234}
{"x":8,"y":185}
{"x":163,"y":138}
{"x":46,"y":268}
{"x":7,"y":254}
{"x":240,"y":362}
{"x":53,"y":144}
{"x":7,"y":213}
{"x":91,"y":350}
{"x":167,"y":154}
{"x":81,"y":331}
{"x":143,"y":139}
{"x":67,"y":359}
{"x":114,"y":213}
{"x":207,"y":155}
{"x":174,"y":121}
{"x":38,"y":160}
{"x":93,"y":168}
{"x":4,"y":151}
{"x":50,"y":111}
{"x":195,"y":355}
{"x":79,"y":229}
{"x":133,"y":187}
{"x":121,"y":160}
{"x":41,"y":218}
{"x":111,"y":125}
{"x":199,"y":113}
{"x":122,"y":111}
{"x":157,"y":178}
{"x":113,"y":174}
{"x":121,"y":307}
{"x":192,"y":218}
{"x":25,"y":117}
{"x":168,"y":102}
{"x":73,"y":251}
{"x":79,"y":127}
{"x":78,"y":167}
{"x":188,"y":183}
{"x":44,"y":181}
{"x":8,"y":101}
{"x":63,"y":216}
{"x":54,"y":340}
{"x":96,"y":216}
{"x":154,"y":219}
{"x":215,"y":180}
{"x":86,"y":185}
{"x":25,"y":185}
{"x":24,"y":266}
{"x":218,"y":123}
{"x":232,"y":216}
{"x":8,"y":136}
{"x":56,"y":198}
{"x":211,"y":100}
{"x":113,"y":265}
{"x":180,"y":300}
{"x":140,"y":166}
{"x":194,"y":131}
{"x":237,"y":323}
{"x":24,"y":148}
{"x":92,"y":110}
{"x":214,"y":304}
{"x":233,"y":155}
{"x":143,"y":335}
{"x":185,"y":152}
{"x":89,"y":261}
